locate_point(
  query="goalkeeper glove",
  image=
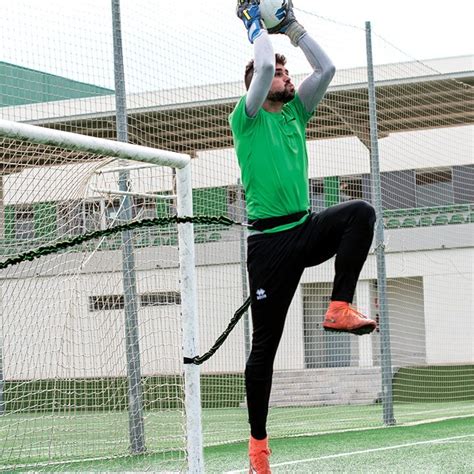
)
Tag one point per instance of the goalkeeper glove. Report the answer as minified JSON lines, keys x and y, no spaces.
{"x":289,"y":26}
{"x":249,"y":13}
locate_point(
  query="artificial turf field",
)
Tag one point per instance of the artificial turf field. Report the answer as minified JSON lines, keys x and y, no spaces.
{"x":438,"y":447}
{"x":442,"y":447}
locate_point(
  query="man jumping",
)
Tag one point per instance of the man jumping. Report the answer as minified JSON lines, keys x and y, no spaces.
{"x":268,"y":126}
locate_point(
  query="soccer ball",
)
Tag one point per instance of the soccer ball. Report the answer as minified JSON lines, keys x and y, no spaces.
{"x":273,"y":12}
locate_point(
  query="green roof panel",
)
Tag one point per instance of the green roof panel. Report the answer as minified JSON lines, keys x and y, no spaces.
{"x":20,"y":85}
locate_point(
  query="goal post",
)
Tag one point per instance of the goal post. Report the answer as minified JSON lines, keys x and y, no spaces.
{"x":190,"y":328}
{"x":19,"y":133}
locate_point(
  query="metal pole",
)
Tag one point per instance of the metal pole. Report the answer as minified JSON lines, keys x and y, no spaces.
{"x":190,"y":322}
{"x":243,"y":268}
{"x":135,"y":398}
{"x":2,"y":381}
{"x":2,"y":237}
{"x":387,"y":394}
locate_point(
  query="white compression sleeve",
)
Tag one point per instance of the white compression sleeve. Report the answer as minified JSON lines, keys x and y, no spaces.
{"x":313,"y":88}
{"x":264,"y":70}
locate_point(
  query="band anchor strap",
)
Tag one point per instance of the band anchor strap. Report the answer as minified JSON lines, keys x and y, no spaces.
{"x":198,"y":360}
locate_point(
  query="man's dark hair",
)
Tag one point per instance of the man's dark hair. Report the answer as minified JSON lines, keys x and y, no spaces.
{"x":279,"y":59}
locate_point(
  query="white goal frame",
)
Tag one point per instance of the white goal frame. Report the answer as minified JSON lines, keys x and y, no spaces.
{"x":187,"y":269}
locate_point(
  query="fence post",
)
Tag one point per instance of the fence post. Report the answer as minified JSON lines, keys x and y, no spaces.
{"x":135,"y":396}
{"x":386,"y":358}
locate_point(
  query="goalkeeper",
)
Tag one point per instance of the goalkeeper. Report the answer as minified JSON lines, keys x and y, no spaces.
{"x":268,"y":126}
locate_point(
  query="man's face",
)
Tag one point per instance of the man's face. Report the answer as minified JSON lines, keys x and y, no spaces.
{"x":282,"y":89}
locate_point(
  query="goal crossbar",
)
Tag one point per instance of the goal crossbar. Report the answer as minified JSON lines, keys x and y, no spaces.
{"x":74,"y":141}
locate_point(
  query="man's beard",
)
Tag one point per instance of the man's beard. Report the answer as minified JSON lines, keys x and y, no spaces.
{"x":281,"y":96}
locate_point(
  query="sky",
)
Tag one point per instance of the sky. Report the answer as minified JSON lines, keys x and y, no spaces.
{"x":423,"y":29}
{"x":181,"y":43}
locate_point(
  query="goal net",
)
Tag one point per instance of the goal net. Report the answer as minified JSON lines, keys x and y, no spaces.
{"x":64,"y":366}
{"x":91,"y":333}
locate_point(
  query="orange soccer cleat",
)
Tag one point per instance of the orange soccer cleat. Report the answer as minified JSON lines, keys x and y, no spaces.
{"x":259,"y":454}
{"x":342,"y":317}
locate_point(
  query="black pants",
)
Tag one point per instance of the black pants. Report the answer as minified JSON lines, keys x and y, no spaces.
{"x":275,"y":264}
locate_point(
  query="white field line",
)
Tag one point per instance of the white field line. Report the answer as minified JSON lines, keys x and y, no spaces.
{"x":371,"y":428}
{"x":344,"y":430}
{"x":364,"y":451}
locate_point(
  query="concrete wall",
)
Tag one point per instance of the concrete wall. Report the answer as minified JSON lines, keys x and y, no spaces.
{"x":48,"y":330}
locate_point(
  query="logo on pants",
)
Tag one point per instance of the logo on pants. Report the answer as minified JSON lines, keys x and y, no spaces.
{"x":261,"y":295}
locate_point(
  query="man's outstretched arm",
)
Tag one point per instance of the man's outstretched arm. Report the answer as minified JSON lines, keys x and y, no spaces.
{"x":264,"y":70}
{"x":264,"y":58}
{"x":313,"y":88}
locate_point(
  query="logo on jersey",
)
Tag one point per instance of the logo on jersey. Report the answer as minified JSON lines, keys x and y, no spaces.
{"x":261,"y":295}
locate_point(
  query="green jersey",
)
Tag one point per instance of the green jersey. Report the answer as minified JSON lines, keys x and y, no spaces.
{"x":273,"y":159}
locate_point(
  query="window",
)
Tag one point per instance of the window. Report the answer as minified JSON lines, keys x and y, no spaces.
{"x":398,"y":189}
{"x":70,"y":218}
{"x":323,"y":349}
{"x":106,"y":302}
{"x":143,"y":208}
{"x":77,"y":217}
{"x":24,"y":224}
{"x":112,"y":211}
{"x":316,"y":195}
{"x":463,"y":184}
{"x":350,"y":188}
{"x":117,"y":302}
{"x":434,"y":187}
{"x":236,"y":203}
{"x":160,"y":298}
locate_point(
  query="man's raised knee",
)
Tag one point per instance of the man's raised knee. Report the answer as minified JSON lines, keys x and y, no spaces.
{"x":364,"y":210}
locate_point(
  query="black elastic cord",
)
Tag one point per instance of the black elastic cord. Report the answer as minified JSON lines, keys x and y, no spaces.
{"x":49,"y":249}
{"x":198,"y":360}
{"x":79,"y":239}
